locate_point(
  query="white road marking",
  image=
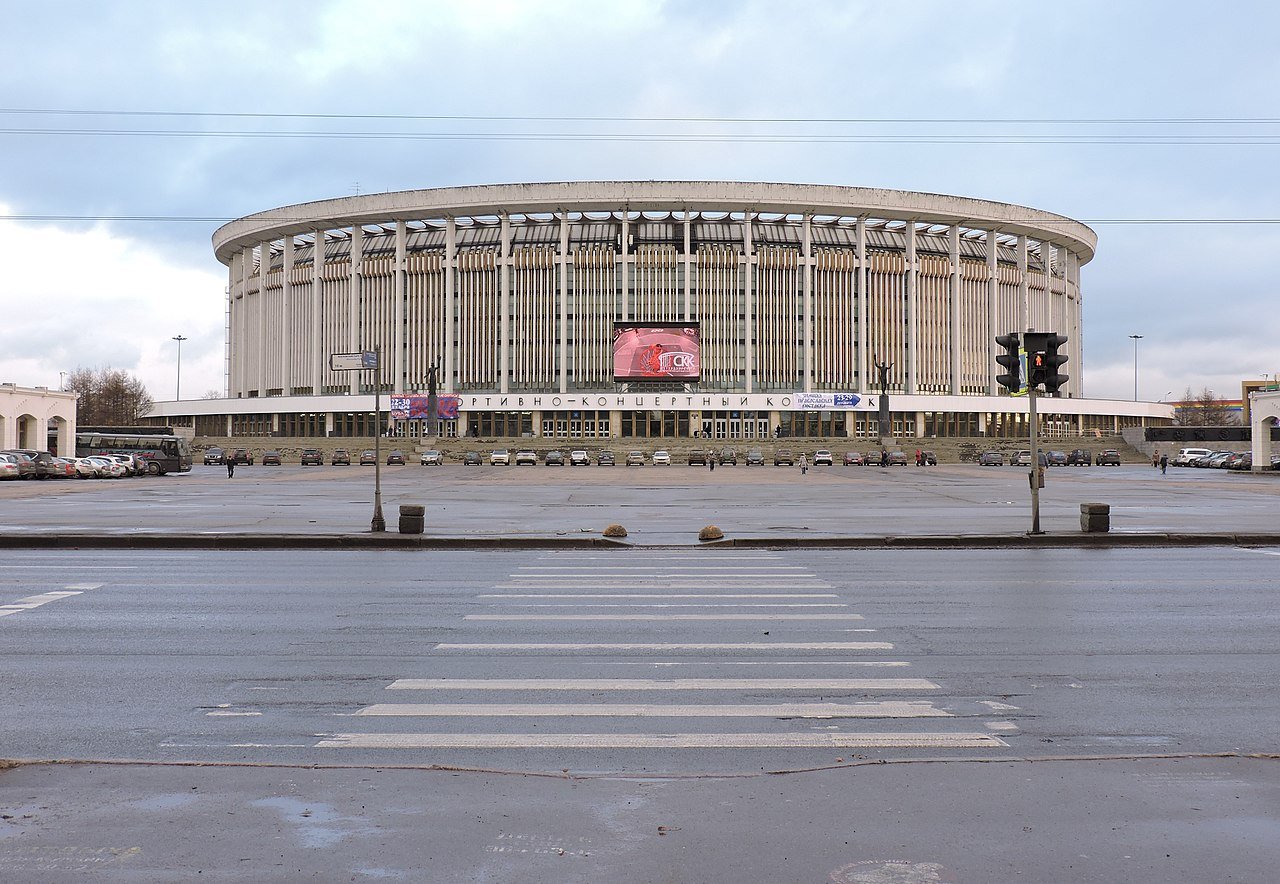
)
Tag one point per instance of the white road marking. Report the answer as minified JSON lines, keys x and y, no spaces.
{"x":658,"y":595}
{"x":997,"y":707}
{"x":876,"y":663}
{"x":656,"y":584}
{"x":1002,"y":726}
{"x":674,"y":605}
{"x":662,"y":617}
{"x":83,"y":567}
{"x":84,"y":586}
{"x":1265,"y":552}
{"x":228,"y":713}
{"x":654,"y":684}
{"x":34,"y":601}
{"x":887,"y":709}
{"x":664,"y":741}
{"x":666,"y":646}
{"x":682,"y":569}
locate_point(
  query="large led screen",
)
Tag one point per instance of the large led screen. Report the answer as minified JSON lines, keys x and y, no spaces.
{"x":645,"y":351}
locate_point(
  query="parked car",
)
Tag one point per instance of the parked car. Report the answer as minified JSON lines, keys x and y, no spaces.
{"x":727,"y":456}
{"x":271,"y":458}
{"x":131,"y":466}
{"x":604,"y":459}
{"x":9,"y":467}
{"x":85,"y":469}
{"x":822,"y":458}
{"x":472,"y":459}
{"x":340,"y":457}
{"x":526,"y":457}
{"x":312,"y":457}
{"x":62,"y":468}
{"x":635,"y":458}
{"x":784,"y":456}
{"x":214,"y":456}
{"x":1188,"y":456}
{"x":395,"y":457}
{"x":697,"y":457}
{"x":1056,"y":458}
{"x":1108,"y":457}
{"x":1079,"y":458}
{"x":1021,"y":459}
{"x":241,"y":456}
{"x":579,"y":458}
{"x":554,"y":459}
{"x":368,"y":458}
{"x":500,"y":457}
{"x":897,"y":458}
{"x":853,"y":459}
{"x":662,"y":458}
{"x":755,"y":458}
{"x":111,"y":469}
{"x":991,"y":459}
{"x":433,"y":458}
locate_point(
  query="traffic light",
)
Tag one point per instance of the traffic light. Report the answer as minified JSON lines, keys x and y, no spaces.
{"x":1011,"y":360}
{"x":1044,"y":360}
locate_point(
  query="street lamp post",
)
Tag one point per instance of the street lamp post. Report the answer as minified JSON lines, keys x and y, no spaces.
{"x":1135,"y":338}
{"x":177,"y":393}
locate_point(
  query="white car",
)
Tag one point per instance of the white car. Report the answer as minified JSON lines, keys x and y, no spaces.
{"x":8,"y":467}
{"x":822,"y":458}
{"x":432,"y":458}
{"x":579,"y":458}
{"x":111,"y":469}
{"x":526,"y":458}
{"x":662,"y":458}
{"x":500,"y":458}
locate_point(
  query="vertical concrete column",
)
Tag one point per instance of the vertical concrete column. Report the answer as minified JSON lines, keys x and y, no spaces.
{"x":318,"y":357}
{"x":286,"y":323}
{"x":953,"y":318}
{"x":624,"y":269}
{"x":748,"y":301}
{"x":226,"y":328}
{"x":993,"y":323}
{"x":397,"y":333}
{"x":241,"y":325}
{"x":1024,"y":287}
{"x":450,"y":304}
{"x":807,"y":300}
{"x":615,"y":425}
{"x":564,"y":302}
{"x":260,"y":351}
{"x":504,"y":302}
{"x":688,"y":266}
{"x":912,"y":308}
{"x":535,"y":418}
{"x":1075,"y":368}
{"x":354,"y":338}
{"x":860,"y":236}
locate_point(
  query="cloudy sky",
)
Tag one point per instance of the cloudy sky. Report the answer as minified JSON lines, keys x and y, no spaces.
{"x":129,"y":131}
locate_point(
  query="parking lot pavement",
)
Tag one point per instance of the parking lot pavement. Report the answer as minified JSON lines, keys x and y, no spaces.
{"x":654,"y":504}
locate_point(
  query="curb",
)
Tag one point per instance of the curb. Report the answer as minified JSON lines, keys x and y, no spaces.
{"x":421,"y":542}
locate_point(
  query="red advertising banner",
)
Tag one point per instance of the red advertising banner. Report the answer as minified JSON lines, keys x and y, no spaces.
{"x":649,"y":351}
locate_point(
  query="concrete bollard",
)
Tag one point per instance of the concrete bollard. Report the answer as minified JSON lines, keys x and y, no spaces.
{"x":1095,"y":518}
{"x":412,"y":518}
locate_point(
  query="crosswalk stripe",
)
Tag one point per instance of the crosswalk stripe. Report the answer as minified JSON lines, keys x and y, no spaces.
{"x":886,"y":709}
{"x":676,"y":605}
{"x":662,"y":617}
{"x":654,"y":684}
{"x":657,"y":595}
{"x":848,"y":740}
{"x":655,"y":584}
{"x":665,"y":646}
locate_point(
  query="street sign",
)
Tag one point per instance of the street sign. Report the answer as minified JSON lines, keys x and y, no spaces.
{"x":361,"y":361}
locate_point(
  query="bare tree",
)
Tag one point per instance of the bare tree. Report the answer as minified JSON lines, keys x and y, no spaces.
{"x":212,"y":394}
{"x":108,"y":397}
{"x":1204,"y":409}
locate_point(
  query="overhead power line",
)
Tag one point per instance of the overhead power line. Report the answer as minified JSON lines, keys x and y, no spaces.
{"x":1190,"y":120}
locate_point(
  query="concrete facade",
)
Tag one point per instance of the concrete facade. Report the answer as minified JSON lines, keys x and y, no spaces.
{"x":26,"y":414}
{"x":1264,"y":413}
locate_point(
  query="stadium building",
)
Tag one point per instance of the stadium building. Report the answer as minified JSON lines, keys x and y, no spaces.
{"x":648,"y":309}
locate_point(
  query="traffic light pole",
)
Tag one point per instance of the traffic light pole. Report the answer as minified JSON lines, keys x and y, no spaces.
{"x":379,"y":524}
{"x":1035,"y":462}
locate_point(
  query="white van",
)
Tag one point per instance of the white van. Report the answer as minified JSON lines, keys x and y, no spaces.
{"x":1187,"y":456}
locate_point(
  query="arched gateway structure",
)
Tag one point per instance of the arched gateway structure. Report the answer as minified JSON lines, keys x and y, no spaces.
{"x":792,"y":292}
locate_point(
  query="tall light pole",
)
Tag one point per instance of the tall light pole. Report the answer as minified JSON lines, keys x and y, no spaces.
{"x":1136,"y":338}
{"x":177,"y":393}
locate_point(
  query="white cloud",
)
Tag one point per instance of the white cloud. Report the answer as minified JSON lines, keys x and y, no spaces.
{"x":93,"y":297}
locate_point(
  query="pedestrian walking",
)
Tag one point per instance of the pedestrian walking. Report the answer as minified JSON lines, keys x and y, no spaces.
{"x":1164,"y":463}
{"x":1155,"y":459}
{"x":231,"y":467}
{"x":804,"y":465}
{"x":919,"y":458}
{"x":711,"y":461}
{"x":884,"y":457}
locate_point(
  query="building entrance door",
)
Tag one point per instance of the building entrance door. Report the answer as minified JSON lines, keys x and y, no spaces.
{"x":722,"y":428}
{"x":575,"y":428}
{"x":762,"y":428}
